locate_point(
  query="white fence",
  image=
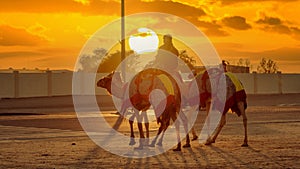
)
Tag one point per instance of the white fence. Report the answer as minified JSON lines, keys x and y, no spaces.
{"x":14,"y":85}
{"x":270,"y":83}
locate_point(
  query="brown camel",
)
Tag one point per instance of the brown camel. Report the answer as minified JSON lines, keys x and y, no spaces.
{"x":235,"y":99}
{"x":106,"y":82}
{"x":140,"y":88}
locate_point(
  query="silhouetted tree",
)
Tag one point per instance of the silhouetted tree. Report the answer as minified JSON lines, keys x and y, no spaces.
{"x":267,"y":66}
{"x":183,"y":55}
{"x":111,"y":61}
{"x":243,"y":62}
{"x":89,"y":63}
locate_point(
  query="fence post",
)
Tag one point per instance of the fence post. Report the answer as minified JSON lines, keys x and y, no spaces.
{"x":279,"y":82}
{"x":49,"y":82}
{"x":16,"y":84}
{"x":254,"y":82}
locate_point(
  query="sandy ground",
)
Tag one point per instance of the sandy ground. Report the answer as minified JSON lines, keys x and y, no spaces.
{"x":45,"y":133}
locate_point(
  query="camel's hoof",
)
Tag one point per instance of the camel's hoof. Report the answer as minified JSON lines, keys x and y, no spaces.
{"x":195,"y":138}
{"x":146,"y":142}
{"x":245,"y":145}
{"x":152,"y":144}
{"x":159,"y":144}
{"x":138,"y":148}
{"x":177,"y":149}
{"x":132,"y":142}
{"x":186,"y":146}
{"x":209,"y":142}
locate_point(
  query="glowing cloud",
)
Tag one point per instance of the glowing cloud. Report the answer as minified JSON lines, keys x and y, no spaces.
{"x":84,"y":2}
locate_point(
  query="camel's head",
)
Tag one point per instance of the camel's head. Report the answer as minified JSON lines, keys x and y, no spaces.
{"x":105,"y":82}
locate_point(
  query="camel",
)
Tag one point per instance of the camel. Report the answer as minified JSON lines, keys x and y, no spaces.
{"x":106,"y":82}
{"x":235,"y":99}
{"x":139,"y":93}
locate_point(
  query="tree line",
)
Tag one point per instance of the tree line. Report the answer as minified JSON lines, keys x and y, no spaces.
{"x":103,"y":61}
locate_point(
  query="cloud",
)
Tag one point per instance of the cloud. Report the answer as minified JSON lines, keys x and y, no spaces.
{"x":216,"y":28}
{"x":269,"y":21}
{"x":279,"y":54}
{"x":291,"y":54}
{"x":275,"y":24}
{"x":105,"y":7}
{"x":54,"y":58}
{"x":10,"y":36}
{"x":100,"y":7}
{"x":212,"y":28}
{"x":230,"y":2}
{"x":170,"y":7}
{"x":61,"y":6}
{"x":84,"y":2}
{"x":295,"y":32}
{"x":38,"y":30}
{"x":19,"y":55}
{"x":236,"y":22}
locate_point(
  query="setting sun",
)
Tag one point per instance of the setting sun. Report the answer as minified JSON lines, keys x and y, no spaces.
{"x":144,"y":41}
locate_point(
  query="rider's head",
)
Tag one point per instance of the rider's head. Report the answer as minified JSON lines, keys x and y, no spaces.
{"x":168,"y":39}
{"x":224,"y":65}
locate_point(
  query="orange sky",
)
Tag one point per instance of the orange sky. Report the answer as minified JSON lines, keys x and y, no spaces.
{"x":50,"y":34}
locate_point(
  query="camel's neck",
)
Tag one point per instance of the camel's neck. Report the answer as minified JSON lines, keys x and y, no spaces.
{"x":108,"y":87}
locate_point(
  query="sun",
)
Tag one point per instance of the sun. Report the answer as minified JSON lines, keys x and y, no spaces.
{"x":145,"y":41}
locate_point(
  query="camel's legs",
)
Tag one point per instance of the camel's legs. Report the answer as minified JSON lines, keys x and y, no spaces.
{"x":218,"y":130}
{"x":207,"y":108}
{"x":146,"y":121}
{"x":241,"y":107}
{"x":178,"y":136}
{"x":159,"y":143}
{"x":194,"y":133}
{"x":221,"y":125}
{"x":185,"y":125}
{"x":140,"y":127}
{"x":164,"y":128}
{"x":122,"y":113}
{"x":195,"y":137}
{"x":154,"y":140}
{"x":131,"y":120}
{"x":160,"y":129}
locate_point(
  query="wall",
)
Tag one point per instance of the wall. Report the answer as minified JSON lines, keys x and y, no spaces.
{"x":7,"y":85}
{"x":14,"y":85}
{"x":60,"y":83}
{"x":290,"y":83}
{"x":32,"y":84}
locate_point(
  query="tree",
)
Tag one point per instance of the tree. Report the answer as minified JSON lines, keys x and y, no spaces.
{"x":243,"y":62}
{"x":111,"y":61}
{"x":90,"y":62}
{"x":267,"y":66}
{"x":183,"y":55}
